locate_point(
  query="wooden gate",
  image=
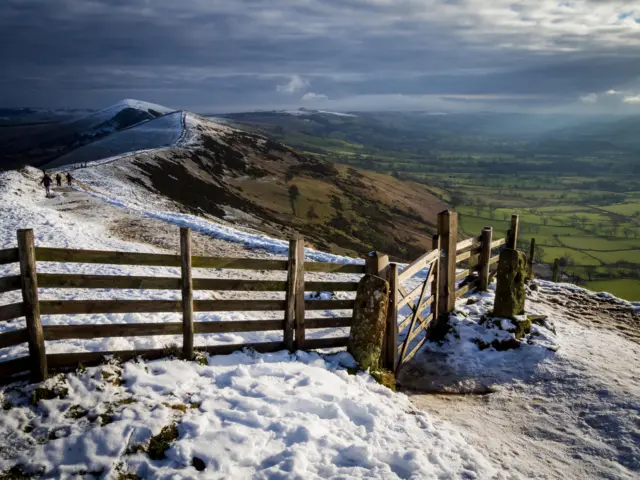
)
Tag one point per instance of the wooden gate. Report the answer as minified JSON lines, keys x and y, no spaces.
{"x":424,"y":295}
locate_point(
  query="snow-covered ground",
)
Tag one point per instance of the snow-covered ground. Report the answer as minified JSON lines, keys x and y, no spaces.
{"x":239,"y":416}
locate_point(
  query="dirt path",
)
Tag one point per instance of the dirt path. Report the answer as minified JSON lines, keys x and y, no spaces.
{"x":574,"y":415}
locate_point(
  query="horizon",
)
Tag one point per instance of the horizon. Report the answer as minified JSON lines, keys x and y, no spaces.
{"x":463,"y":56}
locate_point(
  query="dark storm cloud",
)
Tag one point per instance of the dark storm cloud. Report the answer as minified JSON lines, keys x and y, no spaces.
{"x":211,"y":54}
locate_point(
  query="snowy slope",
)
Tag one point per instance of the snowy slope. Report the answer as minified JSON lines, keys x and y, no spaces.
{"x":22,"y":206}
{"x":161,"y":132}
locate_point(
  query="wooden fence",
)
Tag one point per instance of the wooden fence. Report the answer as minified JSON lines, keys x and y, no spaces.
{"x":441,"y":286}
{"x":294,"y":325}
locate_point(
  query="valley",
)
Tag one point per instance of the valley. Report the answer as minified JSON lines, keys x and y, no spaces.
{"x":577,"y":192}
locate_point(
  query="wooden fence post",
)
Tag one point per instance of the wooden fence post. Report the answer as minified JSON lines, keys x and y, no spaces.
{"x":532,"y":254}
{"x":448,"y":231}
{"x":556,"y":266}
{"x":377,"y":264}
{"x":485,"y":257}
{"x":391,"y":344}
{"x":290,"y":298}
{"x":299,"y":293}
{"x":29,"y":281}
{"x":435,"y":289}
{"x":187,"y":293}
{"x":512,"y":235}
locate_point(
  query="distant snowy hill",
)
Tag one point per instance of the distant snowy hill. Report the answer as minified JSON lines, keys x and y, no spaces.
{"x":41,"y":145}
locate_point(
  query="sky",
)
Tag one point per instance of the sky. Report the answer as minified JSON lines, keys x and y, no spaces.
{"x":217,"y":56}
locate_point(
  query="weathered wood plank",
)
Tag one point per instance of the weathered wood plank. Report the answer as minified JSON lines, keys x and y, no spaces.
{"x":238,"y":263}
{"x":468,"y":287}
{"x":55,"y":280}
{"x":413,"y":334}
{"x":498,"y":243}
{"x":448,"y":231}
{"x":238,"y":305}
{"x":467,"y":255}
{"x":330,"y":286}
{"x":389,"y":353}
{"x":13,"y":337}
{"x":187,"y":293}
{"x":335,"y":267}
{"x":485,"y":258}
{"x":465,"y":273}
{"x":413,"y":352}
{"x":329,"y":304}
{"x":45,"y":254}
{"x":236,"y":326}
{"x":29,"y":281}
{"x":422,"y":262}
{"x":153,"y":259}
{"x":333,"y":342}
{"x":67,"y":332}
{"x":328,"y":322}
{"x":11,"y":311}
{"x":494,"y":260}
{"x":17,"y":365}
{"x":9,"y":284}
{"x":70,"y":307}
{"x":300,"y":268}
{"x":406,"y":299}
{"x":470,"y":242}
{"x":290,"y":297}
{"x":414,"y":317}
{"x":9,"y":255}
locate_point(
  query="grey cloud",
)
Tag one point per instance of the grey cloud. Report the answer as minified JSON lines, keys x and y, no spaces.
{"x":236,"y":53}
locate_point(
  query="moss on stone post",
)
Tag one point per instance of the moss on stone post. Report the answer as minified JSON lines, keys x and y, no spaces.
{"x":369,"y":322}
{"x":510,"y":292}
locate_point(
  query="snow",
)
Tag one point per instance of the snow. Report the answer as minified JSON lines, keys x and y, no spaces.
{"x":243,"y":415}
{"x":160,"y":132}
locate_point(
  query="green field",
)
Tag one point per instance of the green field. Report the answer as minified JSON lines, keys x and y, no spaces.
{"x":624,"y":288}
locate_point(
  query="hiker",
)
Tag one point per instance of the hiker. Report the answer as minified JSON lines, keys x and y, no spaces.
{"x":59,"y":179}
{"x":69,"y":178}
{"x":46,"y":181}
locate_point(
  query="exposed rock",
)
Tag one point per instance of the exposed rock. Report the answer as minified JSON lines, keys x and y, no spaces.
{"x":369,"y":321}
{"x":510,"y":291}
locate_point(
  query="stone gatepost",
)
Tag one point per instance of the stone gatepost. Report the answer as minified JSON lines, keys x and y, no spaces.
{"x":510,"y":292}
{"x":369,"y":322}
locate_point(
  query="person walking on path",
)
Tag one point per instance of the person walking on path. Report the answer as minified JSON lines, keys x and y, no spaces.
{"x":59,"y":179}
{"x":69,"y":179}
{"x":46,"y":181}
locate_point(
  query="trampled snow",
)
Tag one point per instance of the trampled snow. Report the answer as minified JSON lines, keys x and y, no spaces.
{"x":240,"y":416}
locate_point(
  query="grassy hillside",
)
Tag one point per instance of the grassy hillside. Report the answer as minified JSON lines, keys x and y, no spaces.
{"x":576,"y":188}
